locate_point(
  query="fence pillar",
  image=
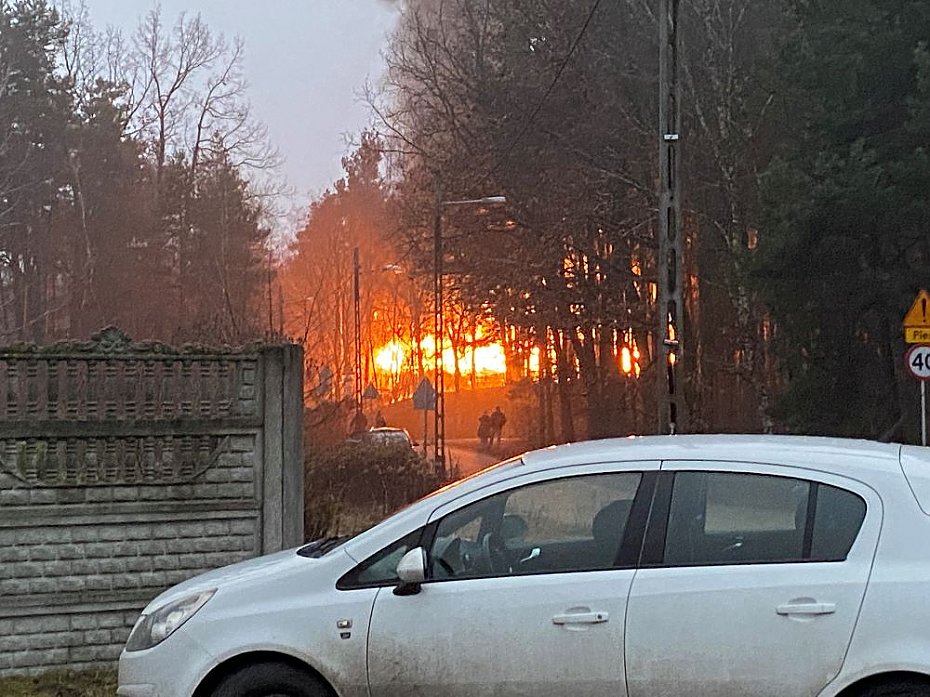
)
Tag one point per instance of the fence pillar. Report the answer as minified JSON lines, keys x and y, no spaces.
{"x":282,"y":448}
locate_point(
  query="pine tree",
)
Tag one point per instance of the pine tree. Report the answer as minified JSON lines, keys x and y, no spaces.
{"x":34,"y":114}
{"x":845,"y":243}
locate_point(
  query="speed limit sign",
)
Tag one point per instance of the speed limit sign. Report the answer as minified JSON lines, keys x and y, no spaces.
{"x":917,"y":361}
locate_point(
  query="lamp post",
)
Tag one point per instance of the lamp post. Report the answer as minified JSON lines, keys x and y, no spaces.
{"x":439,"y":415}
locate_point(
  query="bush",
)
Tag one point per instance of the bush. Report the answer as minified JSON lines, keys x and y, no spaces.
{"x":350,"y":486}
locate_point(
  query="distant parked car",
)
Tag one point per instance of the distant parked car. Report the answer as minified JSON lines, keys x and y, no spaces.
{"x":384,"y":435}
{"x":700,"y":566}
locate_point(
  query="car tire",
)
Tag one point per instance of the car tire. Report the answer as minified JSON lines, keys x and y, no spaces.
{"x":898,"y":689}
{"x":270,"y":680}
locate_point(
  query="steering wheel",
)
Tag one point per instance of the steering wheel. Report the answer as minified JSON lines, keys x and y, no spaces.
{"x":495,"y":553}
{"x":448,"y":555}
{"x":446,"y":566}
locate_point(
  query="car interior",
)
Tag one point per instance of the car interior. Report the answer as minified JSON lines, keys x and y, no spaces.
{"x":488,"y":542}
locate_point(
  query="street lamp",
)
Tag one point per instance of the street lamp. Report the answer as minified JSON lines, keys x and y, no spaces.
{"x":439,"y":415}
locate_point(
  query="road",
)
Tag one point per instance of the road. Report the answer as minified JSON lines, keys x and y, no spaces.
{"x":467,"y":456}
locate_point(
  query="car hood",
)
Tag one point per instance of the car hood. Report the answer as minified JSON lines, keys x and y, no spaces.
{"x":277,"y":565}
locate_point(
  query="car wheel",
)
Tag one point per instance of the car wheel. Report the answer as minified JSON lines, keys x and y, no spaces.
{"x":898,"y":689}
{"x":270,"y":680}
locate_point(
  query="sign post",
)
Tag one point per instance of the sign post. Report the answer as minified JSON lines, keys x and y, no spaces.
{"x":917,"y":358}
{"x":424,"y":399}
{"x":917,"y":362}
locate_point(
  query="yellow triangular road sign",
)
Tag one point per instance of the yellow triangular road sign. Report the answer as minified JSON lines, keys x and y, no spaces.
{"x":919,"y":314}
{"x":917,"y":320}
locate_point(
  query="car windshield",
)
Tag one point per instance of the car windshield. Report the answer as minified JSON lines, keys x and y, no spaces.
{"x":323,"y":546}
{"x":389,"y":437}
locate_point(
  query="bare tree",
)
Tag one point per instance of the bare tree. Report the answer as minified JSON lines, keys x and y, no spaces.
{"x":191,"y":95}
{"x":484,"y":98}
{"x":731,"y":115}
{"x":728,"y":140}
{"x":173,"y":61}
{"x":555,"y":107}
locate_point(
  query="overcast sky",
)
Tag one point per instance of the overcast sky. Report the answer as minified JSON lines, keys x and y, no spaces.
{"x":306,"y":61}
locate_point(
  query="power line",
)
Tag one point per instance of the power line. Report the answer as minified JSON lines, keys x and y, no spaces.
{"x":539,"y":105}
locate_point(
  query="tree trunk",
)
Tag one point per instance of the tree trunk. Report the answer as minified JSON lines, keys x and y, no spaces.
{"x":545,"y":377}
{"x":566,"y":379}
{"x":587,"y":363}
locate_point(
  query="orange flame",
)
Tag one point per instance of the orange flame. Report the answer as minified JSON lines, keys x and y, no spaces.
{"x":488,"y":359}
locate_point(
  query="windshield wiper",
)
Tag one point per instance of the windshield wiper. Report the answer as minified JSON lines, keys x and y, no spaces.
{"x":318,"y":548}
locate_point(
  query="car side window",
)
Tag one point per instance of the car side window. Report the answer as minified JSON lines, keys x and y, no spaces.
{"x":380,"y":569}
{"x":567,"y":524}
{"x":741,"y":518}
{"x":838,"y":518}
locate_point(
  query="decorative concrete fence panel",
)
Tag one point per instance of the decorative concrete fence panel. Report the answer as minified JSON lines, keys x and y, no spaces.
{"x":126,"y":468}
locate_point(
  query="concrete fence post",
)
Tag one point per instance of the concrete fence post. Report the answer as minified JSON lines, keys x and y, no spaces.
{"x":282,"y":448}
{"x":293,"y":442}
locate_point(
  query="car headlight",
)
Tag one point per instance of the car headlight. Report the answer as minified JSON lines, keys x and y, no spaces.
{"x":161,"y":623}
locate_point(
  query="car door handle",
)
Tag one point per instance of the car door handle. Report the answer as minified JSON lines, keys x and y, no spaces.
{"x":581,"y":618}
{"x":806,"y":609}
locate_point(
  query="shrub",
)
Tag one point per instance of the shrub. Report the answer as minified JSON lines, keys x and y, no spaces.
{"x":350,"y":486}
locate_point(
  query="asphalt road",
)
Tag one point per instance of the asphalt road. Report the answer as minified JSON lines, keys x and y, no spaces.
{"x":469,"y":458}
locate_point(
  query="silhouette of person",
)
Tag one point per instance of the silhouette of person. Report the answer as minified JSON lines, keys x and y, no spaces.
{"x":498,"y":420}
{"x":484,"y":430}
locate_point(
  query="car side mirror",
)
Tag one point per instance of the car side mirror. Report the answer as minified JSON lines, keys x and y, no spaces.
{"x":411,"y":570}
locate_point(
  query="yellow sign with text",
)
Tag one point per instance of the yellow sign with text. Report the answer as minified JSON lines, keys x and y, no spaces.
{"x":917,"y":320}
{"x":916,"y":335}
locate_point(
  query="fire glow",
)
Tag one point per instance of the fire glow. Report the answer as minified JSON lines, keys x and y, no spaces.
{"x":485,"y":360}
{"x":390,"y":357}
{"x":490,"y":359}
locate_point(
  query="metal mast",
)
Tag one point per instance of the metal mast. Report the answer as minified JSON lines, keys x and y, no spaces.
{"x":357,"y":301}
{"x":669,"y":264}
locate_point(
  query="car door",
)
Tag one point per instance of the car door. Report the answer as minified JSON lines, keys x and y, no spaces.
{"x":751,"y":582}
{"x":526,"y":591}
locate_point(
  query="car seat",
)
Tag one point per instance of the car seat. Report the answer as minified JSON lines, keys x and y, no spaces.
{"x":607,"y":529}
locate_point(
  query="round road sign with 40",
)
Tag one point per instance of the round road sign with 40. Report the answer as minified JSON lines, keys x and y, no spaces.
{"x":917,"y":361}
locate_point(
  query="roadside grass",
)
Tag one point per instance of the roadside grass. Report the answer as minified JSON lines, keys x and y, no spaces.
{"x":97,"y":683}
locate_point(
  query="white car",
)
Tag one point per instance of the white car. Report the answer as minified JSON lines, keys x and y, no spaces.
{"x":384,"y":435}
{"x":683,"y":565}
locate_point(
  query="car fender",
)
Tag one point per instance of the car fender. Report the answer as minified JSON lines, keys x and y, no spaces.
{"x":910,"y":658}
{"x":342,"y":683}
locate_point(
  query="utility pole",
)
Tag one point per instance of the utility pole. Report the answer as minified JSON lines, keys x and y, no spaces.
{"x":669,"y":264}
{"x":357,"y":300}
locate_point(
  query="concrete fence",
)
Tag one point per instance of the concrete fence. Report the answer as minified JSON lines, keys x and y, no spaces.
{"x":126,"y":468}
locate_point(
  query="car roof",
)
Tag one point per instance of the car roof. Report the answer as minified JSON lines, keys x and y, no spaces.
{"x":833,"y":455}
{"x":812,"y":452}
